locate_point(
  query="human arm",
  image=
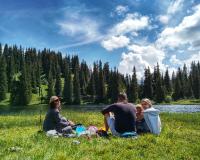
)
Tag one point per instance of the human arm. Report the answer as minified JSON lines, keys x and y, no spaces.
{"x":108,"y":109}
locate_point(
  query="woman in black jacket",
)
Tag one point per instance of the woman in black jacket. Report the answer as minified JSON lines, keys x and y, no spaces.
{"x":53,"y":119}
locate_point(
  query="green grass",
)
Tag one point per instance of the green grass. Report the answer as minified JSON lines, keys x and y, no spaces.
{"x":19,"y":128}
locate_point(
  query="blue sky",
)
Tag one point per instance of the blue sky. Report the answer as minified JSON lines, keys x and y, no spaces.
{"x":125,"y":33}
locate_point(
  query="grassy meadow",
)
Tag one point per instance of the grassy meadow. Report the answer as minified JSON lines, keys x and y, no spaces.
{"x":19,"y":138}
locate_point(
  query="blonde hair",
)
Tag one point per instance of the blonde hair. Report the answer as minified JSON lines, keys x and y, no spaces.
{"x":138,"y":106}
{"x":147,"y":101}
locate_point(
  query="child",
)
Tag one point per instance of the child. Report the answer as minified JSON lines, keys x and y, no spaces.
{"x":139,"y":112}
{"x":141,"y":125}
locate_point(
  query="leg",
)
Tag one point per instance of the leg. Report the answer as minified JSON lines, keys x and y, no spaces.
{"x":110,"y":123}
{"x":105,"y":121}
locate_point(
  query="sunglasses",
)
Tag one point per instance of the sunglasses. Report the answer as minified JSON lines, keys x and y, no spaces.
{"x":57,"y":100}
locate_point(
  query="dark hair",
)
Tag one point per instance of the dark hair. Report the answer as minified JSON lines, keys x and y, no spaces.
{"x":122,"y":96}
{"x":52,"y":105}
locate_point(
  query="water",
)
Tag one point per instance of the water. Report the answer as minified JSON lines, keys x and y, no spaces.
{"x":178,"y":108}
{"x":162,"y":108}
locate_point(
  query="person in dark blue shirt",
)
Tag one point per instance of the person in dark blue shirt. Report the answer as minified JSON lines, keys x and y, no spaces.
{"x":120,"y":117}
{"x":53,"y":119}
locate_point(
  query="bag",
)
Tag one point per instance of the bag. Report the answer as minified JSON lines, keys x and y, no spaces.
{"x":102,"y":133}
{"x":80,"y":129}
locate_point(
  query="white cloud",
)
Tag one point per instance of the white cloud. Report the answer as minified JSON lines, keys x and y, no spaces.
{"x":177,"y":62}
{"x":132,"y":23}
{"x":163,"y":19}
{"x":115,"y":42}
{"x":187,"y":32}
{"x":175,"y":6}
{"x":194,"y":57}
{"x":120,"y":10}
{"x":81,"y":28}
{"x":174,"y":60}
{"x":141,"y":57}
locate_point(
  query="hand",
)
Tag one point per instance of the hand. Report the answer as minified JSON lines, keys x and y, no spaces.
{"x":71,"y":123}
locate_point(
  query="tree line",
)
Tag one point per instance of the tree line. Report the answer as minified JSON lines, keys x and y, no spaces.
{"x":23,"y":72}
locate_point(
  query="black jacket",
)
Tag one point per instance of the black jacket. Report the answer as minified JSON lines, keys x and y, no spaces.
{"x":54,"y":121}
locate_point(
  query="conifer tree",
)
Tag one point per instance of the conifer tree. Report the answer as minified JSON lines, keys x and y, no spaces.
{"x":7,"y":52}
{"x":1,"y":49}
{"x":25,"y":87}
{"x":76,"y":85}
{"x":133,"y":87}
{"x":50,"y":91}
{"x":159,"y":89}
{"x":177,"y":90}
{"x":106,"y":72}
{"x":101,"y":86}
{"x":114,"y":82}
{"x":58,"y":85}
{"x":147,"y":88}
{"x":68,"y":85}
{"x":91,"y":88}
{"x":3,"y":77}
{"x":167,"y":82}
{"x":15,"y":91}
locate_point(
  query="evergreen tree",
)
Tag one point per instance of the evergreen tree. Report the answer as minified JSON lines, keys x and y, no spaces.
{"x":96,"y":79}
{"x":195,"y":75}
{"x":147,"y":88}
{"x":101,"y":87}
{"x":58,"y":85}
{"x":76,"y":85}
{"x":167,"y":82}
{"x":189,"y":91}
{"x":177,"y":90}
{"x":1,"y":49}
{"x":50,"y":91}
{"x":179,"y":75}
{"x":68,"y":85}
{"x":106,"y":72}
{"x":15,"y":91}
{"x":3,"y":77}
{"x":114,"y":83}
{"x":25,"y":87}
{"x":91,"y":88}
{"x":133,"y":87}
{"x":159,"y":89}
{"x":173,"y":80}
{"x":184,"y":83}
{"x":82,"y":82}
{"x":128,"y":86}
{"x":7,"y":53}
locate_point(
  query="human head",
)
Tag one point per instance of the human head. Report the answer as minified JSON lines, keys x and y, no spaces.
{"x":122,"y":97}
{"x":146,"y":103}
{"x":139,"y":108}
{"x":54,"y":102}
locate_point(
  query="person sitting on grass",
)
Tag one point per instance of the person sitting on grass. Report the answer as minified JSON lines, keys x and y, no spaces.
{"x":151,"y":117}
{"x":141,"y":125}
{"x":124,"y":117}
{"x":53,"y":119}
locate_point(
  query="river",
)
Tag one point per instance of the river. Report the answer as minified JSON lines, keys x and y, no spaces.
{"x":162,"y":108}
